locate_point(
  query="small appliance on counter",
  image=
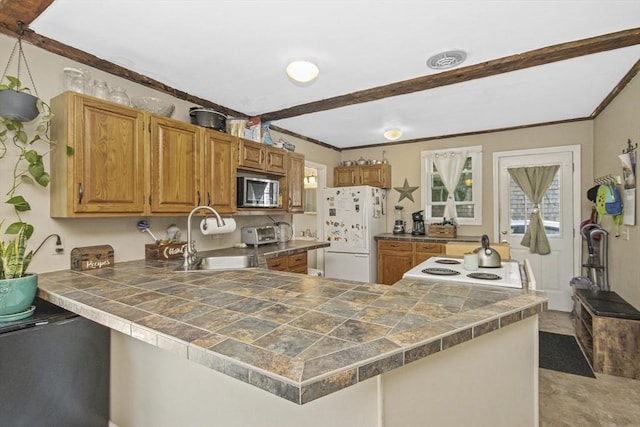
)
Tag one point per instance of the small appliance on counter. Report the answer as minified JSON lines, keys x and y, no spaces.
{"x":262,"y":235}
{"x":418,"y":224}
{"x":488,"y":257}
{"x":399,"y":224}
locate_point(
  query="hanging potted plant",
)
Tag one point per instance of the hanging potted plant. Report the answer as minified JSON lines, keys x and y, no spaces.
{"x":25,"y":146}
{"x":16,"y":101}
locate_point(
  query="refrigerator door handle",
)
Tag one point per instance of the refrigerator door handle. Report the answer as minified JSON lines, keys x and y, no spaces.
{"x":361,"y":255}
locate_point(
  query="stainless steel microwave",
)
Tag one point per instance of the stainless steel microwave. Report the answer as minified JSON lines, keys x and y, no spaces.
{"x":257,"y":192}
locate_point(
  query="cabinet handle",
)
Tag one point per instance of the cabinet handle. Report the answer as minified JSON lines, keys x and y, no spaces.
{"x":198,"y":203}
{"x":277,"y":264}
{"x":80,"y":193}
{"x":261,"y":156}
{"x":208,"y":198}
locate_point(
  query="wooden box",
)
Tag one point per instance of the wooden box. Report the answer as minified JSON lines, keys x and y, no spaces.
{"x":442,"y":231}
{"x":164,"y":251}
{"x":92,"y":257}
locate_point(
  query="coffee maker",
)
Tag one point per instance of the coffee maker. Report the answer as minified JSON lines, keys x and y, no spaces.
{"x":418,"y":224}
{"x":399,"y":224}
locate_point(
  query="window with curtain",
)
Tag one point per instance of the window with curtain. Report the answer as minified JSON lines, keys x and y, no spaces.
{"x":467,"y":196}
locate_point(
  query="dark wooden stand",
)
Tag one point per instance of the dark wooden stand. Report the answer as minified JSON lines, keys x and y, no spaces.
{"x":608,"y":330}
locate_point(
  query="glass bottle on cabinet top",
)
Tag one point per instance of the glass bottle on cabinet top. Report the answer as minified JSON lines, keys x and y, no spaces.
{"x":100,"y":89}
{"x":119,"y":96}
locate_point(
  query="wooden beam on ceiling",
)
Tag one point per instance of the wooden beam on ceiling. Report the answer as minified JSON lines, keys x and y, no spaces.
{"x":533,"y":58}
{"x":12,"y":11}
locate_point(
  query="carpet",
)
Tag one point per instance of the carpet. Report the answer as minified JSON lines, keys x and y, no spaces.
{"x":562,"y":353}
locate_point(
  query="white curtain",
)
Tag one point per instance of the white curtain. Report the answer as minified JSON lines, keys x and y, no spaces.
{"x":450,"y":165}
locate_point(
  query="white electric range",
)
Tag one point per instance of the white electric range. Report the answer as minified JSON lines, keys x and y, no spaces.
{"x":452,"y":270}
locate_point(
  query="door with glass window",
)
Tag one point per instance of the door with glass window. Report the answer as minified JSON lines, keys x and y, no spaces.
{"x":552,"y":271}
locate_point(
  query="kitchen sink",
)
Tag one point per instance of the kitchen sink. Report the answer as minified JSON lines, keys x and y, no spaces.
{"x":223,"y":262}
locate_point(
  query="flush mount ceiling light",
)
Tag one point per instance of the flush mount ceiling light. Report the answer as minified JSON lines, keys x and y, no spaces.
{"x":392,"y":134}
{"x":445,"y":60}
{"x":303,"y":71}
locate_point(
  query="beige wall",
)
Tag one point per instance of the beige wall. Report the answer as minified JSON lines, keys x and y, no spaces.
{"x":619,"y":122}
{"x":405,"y":163}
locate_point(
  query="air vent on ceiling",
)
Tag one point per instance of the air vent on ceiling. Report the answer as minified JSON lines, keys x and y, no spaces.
{"x":444,"y":60}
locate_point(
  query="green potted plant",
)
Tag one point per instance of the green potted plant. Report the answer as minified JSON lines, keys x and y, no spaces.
{"x":26,"y":146}
{"x":17,"y":288}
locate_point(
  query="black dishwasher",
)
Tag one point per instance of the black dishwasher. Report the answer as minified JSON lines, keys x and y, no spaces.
{"x":54,"y":370}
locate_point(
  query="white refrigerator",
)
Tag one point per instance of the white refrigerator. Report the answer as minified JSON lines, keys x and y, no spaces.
{"x":353,"y":216}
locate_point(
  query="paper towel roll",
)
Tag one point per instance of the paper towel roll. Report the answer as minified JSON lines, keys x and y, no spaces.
{"x":209,"y":225}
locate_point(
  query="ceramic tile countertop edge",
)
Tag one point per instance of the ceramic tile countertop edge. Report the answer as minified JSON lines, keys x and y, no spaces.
{"x":377,"y":357}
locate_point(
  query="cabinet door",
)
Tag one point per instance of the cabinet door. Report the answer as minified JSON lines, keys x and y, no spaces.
{"x":295,"y":183}
{"x":220,"y":152}
{"x":276,"y":160}
{"x":298,"y":263}
{"x":108,"y":158}
{"x":251,"y":155}
{"x":425,"y":250}
{"x":175,"y":166}
{"x":278,"y":264}
{"x":346,"y":176}
{"x":376,"y":175}
{"x":394,"y":259}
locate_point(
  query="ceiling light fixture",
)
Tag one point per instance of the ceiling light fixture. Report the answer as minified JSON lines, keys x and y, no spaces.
{"x":303,"y":71}
{"x":392,"y":134}
{"x":445,"y":60}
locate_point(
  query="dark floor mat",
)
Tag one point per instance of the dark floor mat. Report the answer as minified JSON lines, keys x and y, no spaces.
{"x":562,"y":353}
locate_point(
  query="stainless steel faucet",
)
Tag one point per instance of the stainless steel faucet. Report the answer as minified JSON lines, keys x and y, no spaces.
{"x":190,"y":253}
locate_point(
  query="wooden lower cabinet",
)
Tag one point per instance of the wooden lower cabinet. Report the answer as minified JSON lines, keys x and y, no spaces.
{"x":611,"y":344}
{"x":422,"y":251}
{"x":296,"y":263}
{"x":395,"y":258}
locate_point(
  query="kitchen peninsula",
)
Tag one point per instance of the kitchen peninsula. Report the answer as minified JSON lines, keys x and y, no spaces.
{"x":255,"y":347}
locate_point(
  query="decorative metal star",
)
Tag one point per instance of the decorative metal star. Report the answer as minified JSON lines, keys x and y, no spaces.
{"x":405,"y":191}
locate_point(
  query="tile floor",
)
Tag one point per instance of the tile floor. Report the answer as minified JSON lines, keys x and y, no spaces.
{"x":572,"y":400}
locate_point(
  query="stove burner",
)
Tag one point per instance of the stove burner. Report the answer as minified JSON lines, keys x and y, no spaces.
{"x":484,"y":276}
{"x":447,"y":261}
{"x":441,"y":271}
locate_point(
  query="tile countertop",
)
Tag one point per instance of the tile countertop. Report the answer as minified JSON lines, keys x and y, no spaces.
{"x":299,"y":337}
{"x":408,"y":237}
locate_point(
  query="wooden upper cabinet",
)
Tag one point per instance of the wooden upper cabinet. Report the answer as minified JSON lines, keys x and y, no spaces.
{"x":251,"y":155}
{"x":346,"y":176}
{"x":105,"y":172}
{"x":373,"y":175}
{"x":259,"y":157}
{"x":376,"y":175}
{"x":295,"y":182}
{"x":276,"y":160}
{"x":175,"y":170}
{"x":220,"y":151}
